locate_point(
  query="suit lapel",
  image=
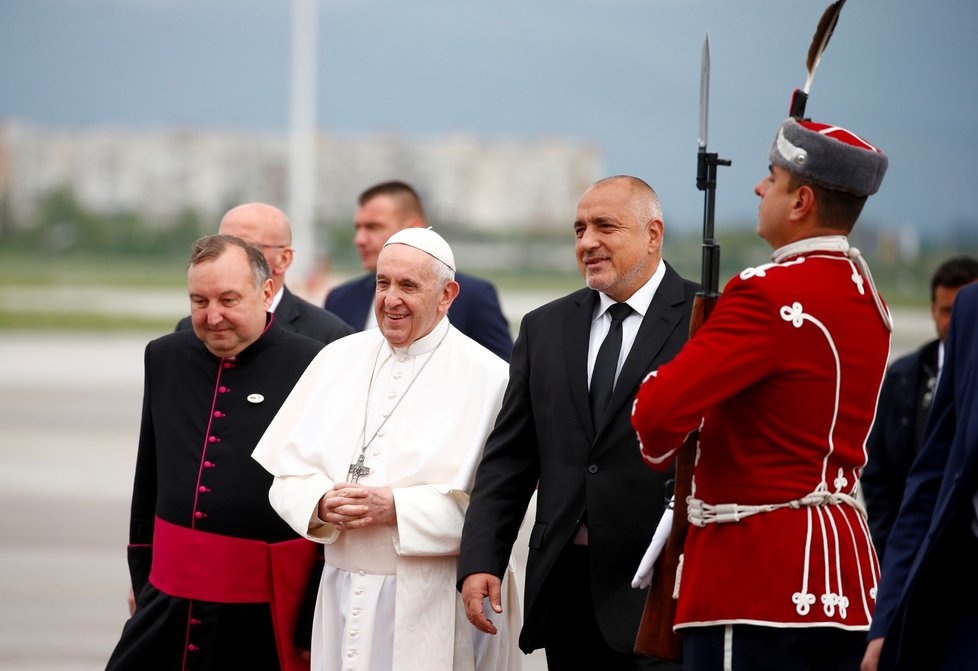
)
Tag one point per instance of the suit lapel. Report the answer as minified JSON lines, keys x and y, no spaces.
{"x":576,"y":334}
{"x":286,"y":311}
{"x":657,"y":327}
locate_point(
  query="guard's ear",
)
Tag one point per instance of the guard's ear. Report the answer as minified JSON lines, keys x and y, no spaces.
{"x":803,"y":203}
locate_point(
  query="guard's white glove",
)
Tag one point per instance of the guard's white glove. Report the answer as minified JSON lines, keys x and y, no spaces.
{"x":643,"y":577}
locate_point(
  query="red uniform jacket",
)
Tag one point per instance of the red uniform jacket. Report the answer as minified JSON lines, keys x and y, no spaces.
{"x":784,"y":376}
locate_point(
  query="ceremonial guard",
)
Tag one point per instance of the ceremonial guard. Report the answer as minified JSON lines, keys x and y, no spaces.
{"x":782,"y":382}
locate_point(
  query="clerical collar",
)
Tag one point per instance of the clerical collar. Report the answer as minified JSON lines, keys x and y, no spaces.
{"x":424,"y":344}
{"x":638,"y":301}
{"x":821,"y":243}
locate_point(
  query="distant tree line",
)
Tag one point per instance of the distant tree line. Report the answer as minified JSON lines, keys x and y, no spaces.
{"x":61,"y":225}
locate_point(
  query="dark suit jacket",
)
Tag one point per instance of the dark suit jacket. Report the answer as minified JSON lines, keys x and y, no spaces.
{"x":302,"y":317}
{"x":475,"y":312}
{"x":896,"y":438}
{"x":543,"y":433}
{"x":925,"y":571}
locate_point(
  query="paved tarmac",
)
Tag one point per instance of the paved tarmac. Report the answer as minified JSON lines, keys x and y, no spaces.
{"x":69,"y":421}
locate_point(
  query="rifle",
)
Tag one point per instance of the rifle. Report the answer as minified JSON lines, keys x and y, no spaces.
{"x":655,"y":636}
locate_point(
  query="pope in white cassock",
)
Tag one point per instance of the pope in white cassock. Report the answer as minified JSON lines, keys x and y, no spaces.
{"x":374,"y":454}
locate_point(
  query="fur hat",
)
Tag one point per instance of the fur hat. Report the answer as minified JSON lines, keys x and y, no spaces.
{"x":828,"y":156}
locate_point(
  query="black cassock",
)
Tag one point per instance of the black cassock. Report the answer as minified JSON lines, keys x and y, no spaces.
{"x":202,"y":417}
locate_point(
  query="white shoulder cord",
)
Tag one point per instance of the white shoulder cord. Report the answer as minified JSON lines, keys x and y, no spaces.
{"x":856,"y":256}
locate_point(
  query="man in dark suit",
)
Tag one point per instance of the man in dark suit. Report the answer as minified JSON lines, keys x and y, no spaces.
{"x":927,"y":605}
{"x":905,"y":399}
{"x":382,"y":210}
{"x":267,"y":228}
{"x":597,"y":505}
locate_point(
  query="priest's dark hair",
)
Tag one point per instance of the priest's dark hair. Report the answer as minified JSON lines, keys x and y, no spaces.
{"x":211,"y":247}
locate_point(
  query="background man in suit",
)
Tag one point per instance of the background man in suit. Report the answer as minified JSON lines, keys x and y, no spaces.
{"x":382,"y":210}
{"x":597,"y":506}
{"x":927,"y":606}
{"x":266,"y":227}
{"x":908,"y":390}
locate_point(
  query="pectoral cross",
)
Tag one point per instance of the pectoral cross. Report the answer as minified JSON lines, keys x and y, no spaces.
{"x":358,"y":469}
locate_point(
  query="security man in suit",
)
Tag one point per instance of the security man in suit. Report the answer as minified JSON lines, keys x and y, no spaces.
{"x":905,"y":400}
{"x":266,"y":227}
{"x":927,"y":605}
{"x":564,"y":428}
{"x":383,"y":210}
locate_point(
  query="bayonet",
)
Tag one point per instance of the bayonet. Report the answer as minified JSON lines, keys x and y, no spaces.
{"x":704,"y":93}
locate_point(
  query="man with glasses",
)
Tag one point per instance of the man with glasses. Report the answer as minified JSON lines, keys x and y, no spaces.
{"x":266,"y":227}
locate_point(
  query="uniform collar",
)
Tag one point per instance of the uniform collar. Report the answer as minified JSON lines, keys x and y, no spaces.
{"x":822,"y":243}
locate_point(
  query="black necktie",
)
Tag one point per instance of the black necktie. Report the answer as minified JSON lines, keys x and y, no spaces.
{"x":606,"y":363}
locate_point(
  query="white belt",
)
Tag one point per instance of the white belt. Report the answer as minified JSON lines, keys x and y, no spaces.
{"x":701,"y":513}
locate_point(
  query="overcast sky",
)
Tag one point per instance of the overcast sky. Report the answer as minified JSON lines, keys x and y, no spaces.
{"x":621,"y":75}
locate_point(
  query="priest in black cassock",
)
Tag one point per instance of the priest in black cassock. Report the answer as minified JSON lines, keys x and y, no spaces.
{"x":217,"y":575}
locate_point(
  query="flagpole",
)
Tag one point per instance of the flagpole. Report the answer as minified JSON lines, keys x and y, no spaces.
{"x":301,"y":207}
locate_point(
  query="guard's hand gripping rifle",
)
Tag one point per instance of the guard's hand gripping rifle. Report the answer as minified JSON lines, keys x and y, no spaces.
{"x":655,"y":635}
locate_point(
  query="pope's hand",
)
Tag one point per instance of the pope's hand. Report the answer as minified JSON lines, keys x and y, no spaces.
{"x":354,"y":506}
{"x":475,"y":588}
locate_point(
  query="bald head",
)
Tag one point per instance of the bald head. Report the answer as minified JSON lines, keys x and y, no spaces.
{"x":642,"y":199}
{"x":266,"y":227}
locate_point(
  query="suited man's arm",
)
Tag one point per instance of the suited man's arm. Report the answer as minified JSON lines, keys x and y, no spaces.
{"x":506,"y":477}
{"x":883,"y":488}
{"x":920,"y":498}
